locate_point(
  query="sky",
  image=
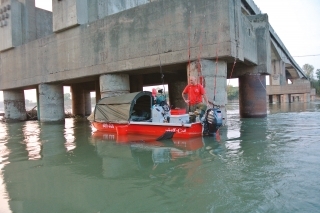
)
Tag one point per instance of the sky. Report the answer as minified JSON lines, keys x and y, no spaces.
{"x":296,"y":22}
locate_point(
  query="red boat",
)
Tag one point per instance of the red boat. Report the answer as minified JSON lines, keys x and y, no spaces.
{"x":189,"y":144}
{"x":136,"y":113}
{"x":154,"y":129}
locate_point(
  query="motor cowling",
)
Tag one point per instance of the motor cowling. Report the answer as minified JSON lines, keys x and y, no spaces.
{"x":212,"y":121}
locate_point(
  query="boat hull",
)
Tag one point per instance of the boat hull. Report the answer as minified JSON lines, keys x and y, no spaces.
{"x":153,"y":129}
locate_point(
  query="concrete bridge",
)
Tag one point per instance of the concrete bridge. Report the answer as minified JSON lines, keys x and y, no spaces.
{"x":117,"y":46}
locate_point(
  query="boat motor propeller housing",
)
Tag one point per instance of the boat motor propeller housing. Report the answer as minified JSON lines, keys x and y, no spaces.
{"x":212,"y":121}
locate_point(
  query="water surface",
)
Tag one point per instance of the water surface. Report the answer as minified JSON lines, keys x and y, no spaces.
{"x":258,"y":165}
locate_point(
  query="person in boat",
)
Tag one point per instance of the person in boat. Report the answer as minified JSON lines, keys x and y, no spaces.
{"x":193,"y":94}
{"x":154,"y":95}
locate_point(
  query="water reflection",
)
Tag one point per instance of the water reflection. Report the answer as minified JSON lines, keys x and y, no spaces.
{"x":157,"y":159}
{"x":31,"y":132}
{"x":4,"y":152}
{"x":259,"y":165}
{"x":52,"y":139}
{"x":290,"y":107}
{"x":69,"y":136}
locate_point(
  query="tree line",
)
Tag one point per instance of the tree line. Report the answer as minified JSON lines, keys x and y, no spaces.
{"x":309,"y":72}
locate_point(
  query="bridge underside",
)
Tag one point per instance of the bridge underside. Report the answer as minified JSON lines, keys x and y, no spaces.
{"x":118,"y":50}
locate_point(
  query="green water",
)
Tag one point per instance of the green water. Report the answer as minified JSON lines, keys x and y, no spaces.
{"x":259,"y":165}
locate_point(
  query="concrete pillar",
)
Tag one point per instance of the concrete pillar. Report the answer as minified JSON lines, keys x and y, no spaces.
{"x":136,"y":83}
{"x":51,"y":102}
{"x":285,"y":98}
{"x":252,"y":96}
{"x":114,"y":84}
{"x":78,"y":100}
{"x":87,"y":99}
{"x":176,"y":88}
{"x":11,"y":27}
{"x":29,"y":20}
{"x":67,"y":14}
{"x":14,"y":105}
{"x":290,"y":98}
{"x":213,"y":77}
{"x":97,"y":88}
{"x":278,"y":76}
{"x":38,"y":105}
{"x":275,"y":99}
{"x":306,"y":97}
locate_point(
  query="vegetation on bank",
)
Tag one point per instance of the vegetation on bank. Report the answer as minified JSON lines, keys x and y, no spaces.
{"x":315,"y":80}
{"x":233,"y":93}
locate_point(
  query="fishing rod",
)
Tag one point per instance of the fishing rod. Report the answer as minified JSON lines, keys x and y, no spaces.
{"x":162,"y":75}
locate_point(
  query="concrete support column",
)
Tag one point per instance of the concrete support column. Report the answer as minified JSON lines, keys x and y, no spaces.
{"x":29,"y":20}
{"x":176,"y":89}
{"x":87,"y":99}
{"x":97,"y":88}
{"x":114,"y":84}
{"x":51,"y":102}
{"x":275,"y":99}
{"x":285,"y":98}
{"x":14,"y":105}
{"x":136,"y":83}
{"x":278,"y":76}
{"x":252,"y":96}
{"x":306,"y":97}
{"x":78,"y":100}
{"x":213,"y":77}
{"x":38,"y":105}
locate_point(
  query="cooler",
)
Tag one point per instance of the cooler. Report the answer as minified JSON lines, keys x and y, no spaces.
{"x":179,"y":118}
{"x":178,"y":111}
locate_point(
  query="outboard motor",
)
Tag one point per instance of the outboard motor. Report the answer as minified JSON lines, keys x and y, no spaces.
{"x":212,"y":121}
